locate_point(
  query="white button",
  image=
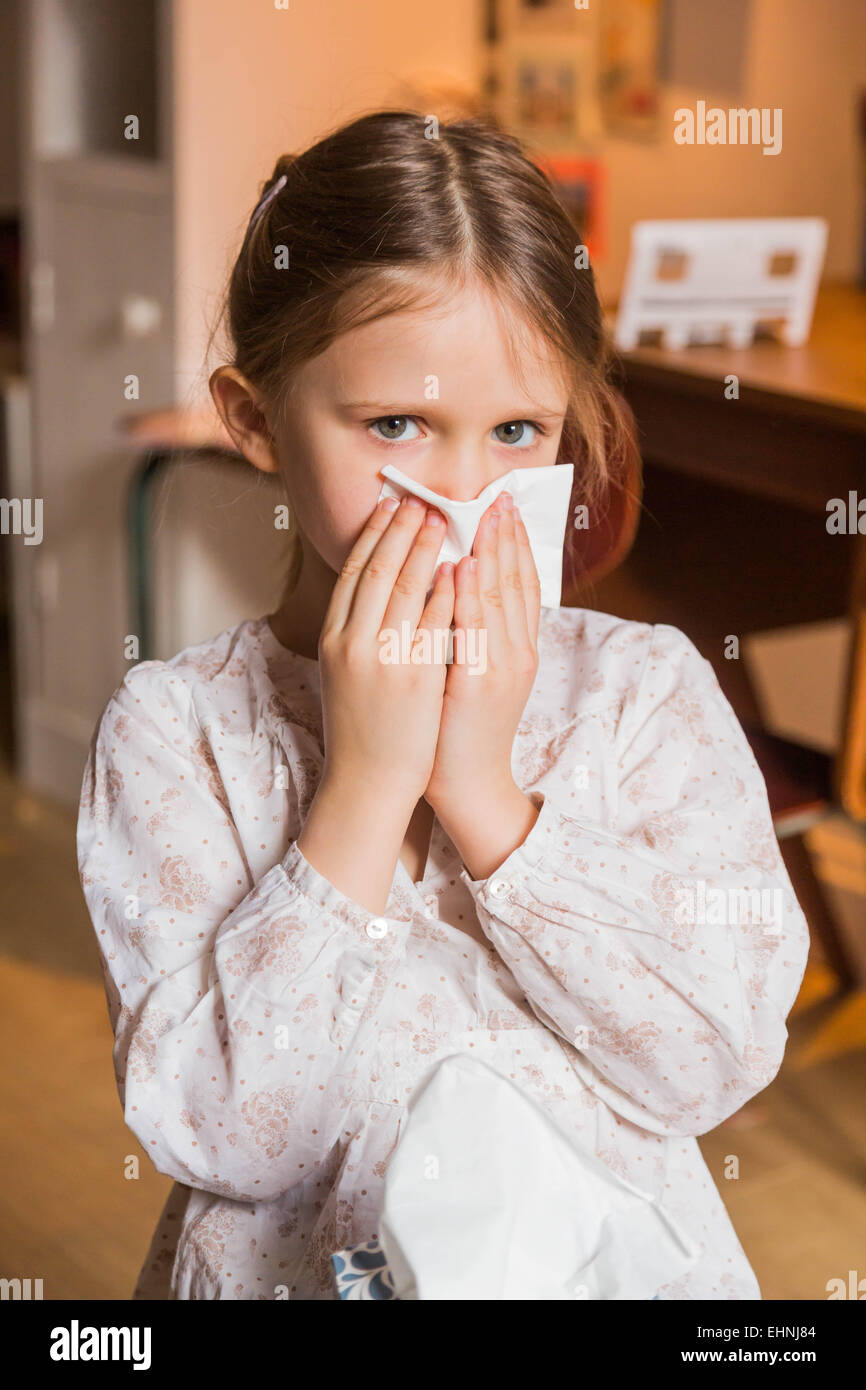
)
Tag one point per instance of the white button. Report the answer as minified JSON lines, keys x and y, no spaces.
{"x":499,"y":887}
{"x":377,"y":928}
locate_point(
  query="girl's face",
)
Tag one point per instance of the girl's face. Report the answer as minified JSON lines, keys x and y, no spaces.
{"x":432,"y":392}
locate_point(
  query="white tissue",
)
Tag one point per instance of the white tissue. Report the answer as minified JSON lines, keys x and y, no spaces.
{"x":543,"y":496}
{"x":487,"y":1198}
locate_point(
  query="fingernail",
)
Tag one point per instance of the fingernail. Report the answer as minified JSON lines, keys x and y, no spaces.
{"x":390,"y":504}
{"x":473,"y":564}
{"x":413,"y":501}
{"x":506,"y":499}
{"x":446,"y":567}
{"x":494,"y":521}
{"x":433,"y":519}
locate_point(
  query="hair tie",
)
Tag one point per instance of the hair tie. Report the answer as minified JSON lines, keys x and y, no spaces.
{"x":263,"y":202}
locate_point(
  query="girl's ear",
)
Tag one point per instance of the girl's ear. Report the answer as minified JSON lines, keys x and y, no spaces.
{"x":241,"y":410}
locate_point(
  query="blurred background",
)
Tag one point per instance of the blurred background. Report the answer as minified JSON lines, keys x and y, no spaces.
{"x":133,"y":143}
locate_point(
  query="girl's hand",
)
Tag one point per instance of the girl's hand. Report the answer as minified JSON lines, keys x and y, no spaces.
{"x":497,"y":608}
{"x":381,"y":718}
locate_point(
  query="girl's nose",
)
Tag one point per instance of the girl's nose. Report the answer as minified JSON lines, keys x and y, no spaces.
{"x":458,"y":484}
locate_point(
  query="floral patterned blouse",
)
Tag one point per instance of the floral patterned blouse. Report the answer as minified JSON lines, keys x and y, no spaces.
{"x":269,"y":1032}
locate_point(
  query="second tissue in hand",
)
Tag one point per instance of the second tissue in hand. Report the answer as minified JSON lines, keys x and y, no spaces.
{"x":514,"y":1207}
{"x":543,"y":496}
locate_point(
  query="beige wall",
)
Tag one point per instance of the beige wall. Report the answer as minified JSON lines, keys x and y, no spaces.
{"x":252,"y":82}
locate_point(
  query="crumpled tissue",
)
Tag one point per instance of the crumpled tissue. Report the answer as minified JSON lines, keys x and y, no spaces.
{"x":486,"y":1197}
{"x":543,"y":496}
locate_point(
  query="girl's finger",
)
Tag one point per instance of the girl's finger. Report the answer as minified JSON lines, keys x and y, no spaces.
{"x":341,"y":597}
{"x":510,"y":578}
{"x":529,"y":579}
{"x":468,"y":613}
{"x":486,"y":550}
{"x":408,"y":596}
{"x":374,"y":586}
{"x":439,"y":611}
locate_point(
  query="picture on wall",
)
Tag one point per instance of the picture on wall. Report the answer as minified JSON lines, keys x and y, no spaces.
{"x":628,"y":66}
{"x":546,"y":94}
{"x":544,"y":14}
{"x":579,"y":182}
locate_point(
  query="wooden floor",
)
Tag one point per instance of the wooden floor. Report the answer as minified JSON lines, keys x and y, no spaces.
{"x":68,"y":1215}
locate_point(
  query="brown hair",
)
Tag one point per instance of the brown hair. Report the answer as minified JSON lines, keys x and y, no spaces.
{"x":388,"y":197}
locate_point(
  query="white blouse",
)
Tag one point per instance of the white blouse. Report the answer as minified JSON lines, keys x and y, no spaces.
{"x":268,"y":1031}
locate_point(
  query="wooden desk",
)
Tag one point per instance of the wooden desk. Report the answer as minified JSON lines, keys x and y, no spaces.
{"x":796,"y":434}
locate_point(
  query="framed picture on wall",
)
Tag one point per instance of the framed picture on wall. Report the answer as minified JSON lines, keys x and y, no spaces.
{"x":579,"y":181}
{"x":629,"y":66}
{"x":545,"y":16}
{"x":547,"y":96}
{"x":545,"y":93}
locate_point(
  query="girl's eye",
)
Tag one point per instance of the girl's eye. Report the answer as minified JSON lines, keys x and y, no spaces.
{"x":392,"y":430}
{"x":514,"y":432}
{"x":394,"y":427}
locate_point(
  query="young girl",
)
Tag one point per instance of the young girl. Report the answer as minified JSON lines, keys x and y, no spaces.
{"x":314,"y":874}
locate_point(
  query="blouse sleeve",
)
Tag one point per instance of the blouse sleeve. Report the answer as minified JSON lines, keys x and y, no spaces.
{"x":233,"y":1003}
{"x":666,"y":947}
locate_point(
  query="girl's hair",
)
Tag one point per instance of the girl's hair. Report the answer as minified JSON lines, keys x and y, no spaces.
{"x":386,"y":201}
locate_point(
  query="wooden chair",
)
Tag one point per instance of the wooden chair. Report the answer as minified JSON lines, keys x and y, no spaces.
{"x":163,"y":437}
{"x":800,"y":792}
